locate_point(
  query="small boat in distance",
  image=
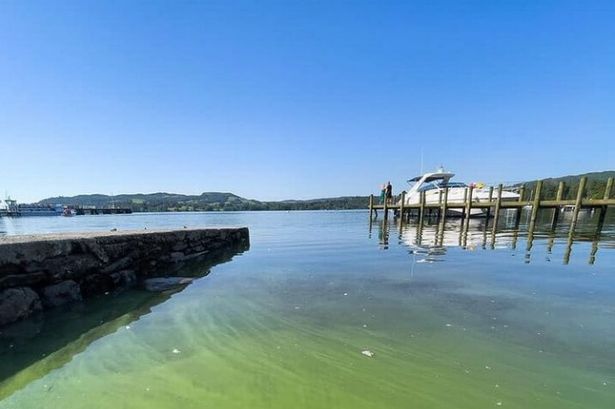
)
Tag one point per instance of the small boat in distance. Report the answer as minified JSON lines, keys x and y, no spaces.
{"x":434,"y":183}
{"x":69,"y":212}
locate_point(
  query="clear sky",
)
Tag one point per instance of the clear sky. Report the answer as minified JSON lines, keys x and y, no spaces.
{"x":276,"y":100}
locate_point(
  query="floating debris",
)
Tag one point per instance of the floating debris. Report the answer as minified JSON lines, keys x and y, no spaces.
{"x":176,"y":351}
{"x":368,"y":353}
{"x":499,"y":403}
{"x":127,"y":327}
{"x":345,"y":294}
{"x":449,"y":325}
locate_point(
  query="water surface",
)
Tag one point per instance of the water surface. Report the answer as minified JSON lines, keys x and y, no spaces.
{"x":453,"y":321}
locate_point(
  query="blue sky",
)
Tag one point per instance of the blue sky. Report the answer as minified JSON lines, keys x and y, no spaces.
{"x":276,"y":100}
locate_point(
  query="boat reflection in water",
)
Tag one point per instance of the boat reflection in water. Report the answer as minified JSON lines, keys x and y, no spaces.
{"x":435,"y":236}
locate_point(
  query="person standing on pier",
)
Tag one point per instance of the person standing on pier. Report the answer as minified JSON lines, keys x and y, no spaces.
{"x":389,"y":192}
{"x":383,"y":192}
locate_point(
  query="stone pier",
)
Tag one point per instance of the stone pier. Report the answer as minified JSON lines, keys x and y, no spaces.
{"x":45,"y":271}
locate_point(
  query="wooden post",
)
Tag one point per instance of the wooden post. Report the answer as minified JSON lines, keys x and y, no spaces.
{"x":607,"y":189}
{"x":575,"y":213}
{"x":601,"y":218}
{"x":371,"y":206}
{"x":468,"y":210}
{"x":489,"y":208}
{"x":444,"y":202}
{"x":535,"y":204}
{"x":560,"y":191}
{"x":535,"y":208}
{"x":443,"y":213}
{"x":401,"y":207}
{"x":465,"y":199}
{"x":556,"y":210}
{"x":520,"y":209}
{"x":422,"y":210}
{"x":386,"y":207}
{"x":496,"y":216}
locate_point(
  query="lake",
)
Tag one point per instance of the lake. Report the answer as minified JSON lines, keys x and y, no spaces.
{"x":328,"y":310}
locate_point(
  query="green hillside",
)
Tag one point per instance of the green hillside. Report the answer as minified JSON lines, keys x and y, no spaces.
{"x":596,"y":183}
{"x":209,"y":201}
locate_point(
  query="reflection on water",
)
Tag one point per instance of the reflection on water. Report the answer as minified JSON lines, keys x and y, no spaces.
{"x":435,"y":235}
{"x":454,"y":320}
{"x":49,"y":340}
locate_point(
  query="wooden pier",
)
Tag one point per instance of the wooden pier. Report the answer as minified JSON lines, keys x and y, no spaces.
{"x":493,"y":206}
{"x":81,"y":211}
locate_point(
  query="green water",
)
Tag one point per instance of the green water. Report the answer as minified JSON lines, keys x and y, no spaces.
{"x":284,"y":325}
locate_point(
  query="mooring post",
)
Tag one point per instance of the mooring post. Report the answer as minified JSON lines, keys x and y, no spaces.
{"x":386,"y":208}
{"x":422,"y":210}
{"x":489,"y":208}
{"x":535,"y":208}
{"x":401,"y":207}
{"x":468,"y":210}
{"x":496,"y":215}
{"x":577,"y":208}
{"x":463,"y":208}
{"x":520,"y":208}
{"x":556,"y":209}
{"x":607,"y":189}
{"x":444,"y":202}
{"x":443,"y":214}
{"x":371,"y":205}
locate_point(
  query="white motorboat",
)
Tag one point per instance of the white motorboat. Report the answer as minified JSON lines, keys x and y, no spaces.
{"x":433,"y":184}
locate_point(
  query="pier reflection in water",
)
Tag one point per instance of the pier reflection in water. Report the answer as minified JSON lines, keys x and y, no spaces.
{"x":434,"y":235}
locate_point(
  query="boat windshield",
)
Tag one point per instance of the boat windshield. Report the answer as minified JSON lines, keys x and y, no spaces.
{"x":444,"y":184}
{"x":428,"y":186}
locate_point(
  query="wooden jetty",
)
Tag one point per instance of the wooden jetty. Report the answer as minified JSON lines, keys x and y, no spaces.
{"x":494,"y":205}
{"x":81,"y":211}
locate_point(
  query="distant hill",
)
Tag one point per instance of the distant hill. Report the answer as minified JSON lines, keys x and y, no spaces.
{"x":599,"y":176}
{"x":213,"y":201}
{"x":208,"y":201}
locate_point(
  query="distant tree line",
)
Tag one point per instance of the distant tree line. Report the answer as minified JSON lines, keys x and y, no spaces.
{"x":221,"y":201}
{"x":594,"y":189}
{"x":213,"y":201}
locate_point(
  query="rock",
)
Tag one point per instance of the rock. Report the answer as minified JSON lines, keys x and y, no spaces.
{"x":22,"y":280}
{"x":166,"y":283}
{"x":125,"y":278}
{"x":61,"y":293}
{"x":177,"y":255}
{"x":118,"y":265}
{"x":18,"y":303}
{"x":97,"y":284}
{"x":179,"y":246}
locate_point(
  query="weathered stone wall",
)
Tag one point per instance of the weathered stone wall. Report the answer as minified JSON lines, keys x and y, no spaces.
{"x":44,"y":271}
